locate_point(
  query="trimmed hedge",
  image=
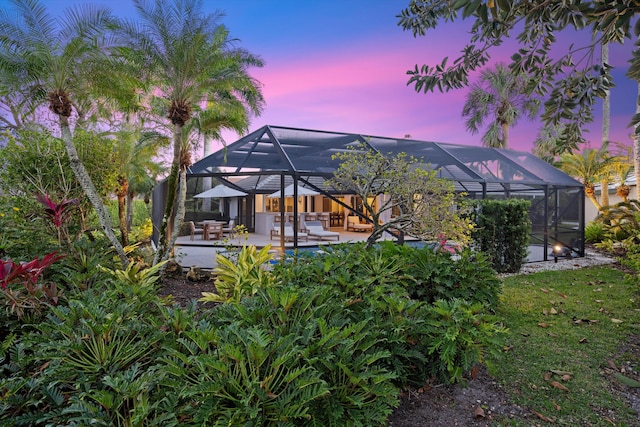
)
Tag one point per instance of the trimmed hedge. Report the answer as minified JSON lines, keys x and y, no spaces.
{"x":502,"y":232}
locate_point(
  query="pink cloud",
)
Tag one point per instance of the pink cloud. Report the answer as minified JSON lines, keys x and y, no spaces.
{"x":361,"y":87}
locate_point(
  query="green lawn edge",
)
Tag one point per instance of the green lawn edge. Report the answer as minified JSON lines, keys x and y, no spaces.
{"x":574,"y":323}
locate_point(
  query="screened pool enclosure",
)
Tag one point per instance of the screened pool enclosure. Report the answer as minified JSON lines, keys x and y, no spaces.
{"x":273,"y":157}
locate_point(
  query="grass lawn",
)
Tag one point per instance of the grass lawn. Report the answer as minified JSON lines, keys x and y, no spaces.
{"x":571,"y":334}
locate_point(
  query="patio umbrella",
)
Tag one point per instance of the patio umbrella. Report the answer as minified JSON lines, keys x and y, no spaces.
{"x":220,"y":191}
{"x":288,"y":192}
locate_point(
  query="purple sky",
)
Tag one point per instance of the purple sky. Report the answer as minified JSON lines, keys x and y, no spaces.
{"x":341,"y":66}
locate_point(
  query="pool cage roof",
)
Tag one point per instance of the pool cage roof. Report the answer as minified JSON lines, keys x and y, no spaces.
{"x":273,"y":157}
{"x":272,"y":151}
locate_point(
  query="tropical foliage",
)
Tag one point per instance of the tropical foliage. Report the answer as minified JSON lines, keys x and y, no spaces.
{"x":569,"y":86}
{"x":588,"y":166}
{"x":286,"y":343}
{"x":400,"y":195}
{"x":191,"y":59}
{"x":501,"y":98}
{"x":65,"y":65}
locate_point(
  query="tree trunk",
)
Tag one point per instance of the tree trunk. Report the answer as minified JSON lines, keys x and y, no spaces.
{"x":606,"y":124}
{"x":180,"y":212}
{"x":121,"y":194}
{"x":589,"y":191}
{"x":181,"y":196}
{"x":207,"y":182}
{"x":505,"y":135}
{"x":168,"y":221}
{"x":636,"y":148}
{"x":130,"y":197}
{"x":89,"y":189}
{"x":122,"y":219}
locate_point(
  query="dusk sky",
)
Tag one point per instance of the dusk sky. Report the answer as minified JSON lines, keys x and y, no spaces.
{"x":341,"y":65}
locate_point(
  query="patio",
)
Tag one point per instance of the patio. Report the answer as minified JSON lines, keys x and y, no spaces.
{"x":202,"y":253}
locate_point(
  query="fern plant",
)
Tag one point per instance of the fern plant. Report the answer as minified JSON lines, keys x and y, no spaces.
{"x":242,"y":277}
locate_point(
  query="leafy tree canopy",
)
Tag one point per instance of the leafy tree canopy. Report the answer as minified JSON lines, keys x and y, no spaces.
{"x":400,"y":194}
{"x":571,"y":83}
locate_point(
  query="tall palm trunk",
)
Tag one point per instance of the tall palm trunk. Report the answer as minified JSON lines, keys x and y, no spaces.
{"x":207,"y":182}
{"x":505,"y":135}
{"x":589,"y":190}
{"x":171,"y":221}
{"x":130,"y":196}
{"x":121,"y":194}
{"x":606,"y":125}
{"x":89,"y":189}
{"x":636,"y":148}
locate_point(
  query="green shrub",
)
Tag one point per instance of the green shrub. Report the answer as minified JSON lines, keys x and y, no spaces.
{"x":23,"y":234}
{"x":285,"y":356}
{"x":459,"y":335}
{"x":383,"y":284}
{"x":621,"y":221}
{"x":242,"y":276}
{"x":83,"y":267}
{"x":502,"y":232}
{"x":142,"y":232}
{"x":466,"y":275}
{"x":92,"y":362}
{"x":631,"y":260}
{"x":594,"y":232}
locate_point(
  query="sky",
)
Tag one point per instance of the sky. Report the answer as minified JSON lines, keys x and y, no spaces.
{"x":340,"y":65}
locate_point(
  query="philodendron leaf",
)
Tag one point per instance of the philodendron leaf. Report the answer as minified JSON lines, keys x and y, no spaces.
{"x":627,"y":381}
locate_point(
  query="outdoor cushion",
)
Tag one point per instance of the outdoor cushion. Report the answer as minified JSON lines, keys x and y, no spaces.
{"x":288,"y":232}
{"x":315,"y":229}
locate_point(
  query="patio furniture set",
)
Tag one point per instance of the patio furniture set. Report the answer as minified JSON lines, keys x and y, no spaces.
{"x":314,"y":229}
{"x":211,"y":229}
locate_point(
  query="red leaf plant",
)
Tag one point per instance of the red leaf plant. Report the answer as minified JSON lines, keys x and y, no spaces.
{"x":26,"y":272}
{"x":32,"y":296}
{"x":56,"y":211}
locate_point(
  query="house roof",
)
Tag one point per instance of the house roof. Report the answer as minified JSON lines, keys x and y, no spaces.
{"x":274,"y":150}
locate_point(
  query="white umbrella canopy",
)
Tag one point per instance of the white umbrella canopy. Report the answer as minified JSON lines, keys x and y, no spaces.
{"x":220,"y":191}
{"x":288,"y":192}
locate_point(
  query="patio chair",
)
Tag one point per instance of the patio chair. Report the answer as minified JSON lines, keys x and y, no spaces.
{"x":195,"y":230}
{"x":353,"y":224}
{"x":229,"y":229}
{"x":215,"y":231}
{"x":315,"y":229}
{"x":288,"y":233}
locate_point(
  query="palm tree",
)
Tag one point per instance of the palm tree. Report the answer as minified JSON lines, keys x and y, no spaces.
{"x":622,"y":171}
{"x":606,"y":121}
{"x":621,"y":168}
{"x":189,"y":58}
{"x":62,"y":64}
{"x":588,"y":167}
{"x":503,"y":97}
{"x":636,"y":148}
{"x":135,"y":153}
{"x":227,"y":113}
